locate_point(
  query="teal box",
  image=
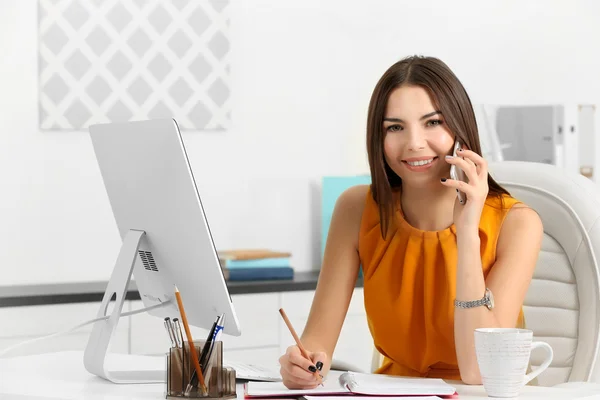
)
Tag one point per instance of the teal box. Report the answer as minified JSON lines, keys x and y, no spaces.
{"x":331,"y":188}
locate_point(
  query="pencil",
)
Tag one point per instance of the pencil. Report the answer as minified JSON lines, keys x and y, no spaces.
{"x":188,"y":333}
{"x":299,"y":343}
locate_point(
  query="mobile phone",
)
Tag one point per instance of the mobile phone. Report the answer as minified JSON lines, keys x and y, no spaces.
{"x":458,"y":174}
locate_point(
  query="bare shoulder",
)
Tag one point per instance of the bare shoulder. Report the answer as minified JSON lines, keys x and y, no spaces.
{"x":353,"y":199}
{"x":522,"y":216}
{"x":521,"y":224}
{"x":349,"y":209}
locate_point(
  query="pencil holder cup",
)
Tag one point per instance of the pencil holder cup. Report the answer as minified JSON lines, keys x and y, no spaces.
{"x":181,"y":380}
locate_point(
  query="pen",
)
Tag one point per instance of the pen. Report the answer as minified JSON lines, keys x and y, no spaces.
{"x":208,"y":343}
{"x":216,"y":338}
{"x":299,"y":343}
{"x":177,"y":330}
{"x":203,"y":354}
{"x":210,"y":359}
{"x":170,"y":332}
{"x":219,"y":330}
{"x":190,"y":339}
{"x":176,"y":362}
{"x":172,"y":326}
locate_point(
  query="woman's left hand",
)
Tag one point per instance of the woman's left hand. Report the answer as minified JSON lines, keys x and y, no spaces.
{"x":468,"y":215}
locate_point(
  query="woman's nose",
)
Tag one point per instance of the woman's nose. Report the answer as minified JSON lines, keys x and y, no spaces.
{"x":416,"y":140}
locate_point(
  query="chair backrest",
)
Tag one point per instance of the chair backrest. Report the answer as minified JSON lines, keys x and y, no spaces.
{"x":562,"y":305}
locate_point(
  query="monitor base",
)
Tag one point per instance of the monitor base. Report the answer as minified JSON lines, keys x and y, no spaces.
{"x":94,"y":357}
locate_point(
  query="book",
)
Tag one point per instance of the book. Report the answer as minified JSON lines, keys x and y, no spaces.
{"x":355,"y":383}
{"x":258,"y":274}
{"x":271,"y":262}
{"x":250,"y":254}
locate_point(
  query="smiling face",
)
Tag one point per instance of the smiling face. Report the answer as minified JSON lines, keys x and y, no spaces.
{"x":416,"y":137}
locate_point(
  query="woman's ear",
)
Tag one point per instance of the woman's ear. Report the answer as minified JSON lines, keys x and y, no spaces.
{"x":463,"y":145}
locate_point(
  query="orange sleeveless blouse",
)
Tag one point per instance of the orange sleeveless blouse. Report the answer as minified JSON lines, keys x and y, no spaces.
{"x":410,"y":286}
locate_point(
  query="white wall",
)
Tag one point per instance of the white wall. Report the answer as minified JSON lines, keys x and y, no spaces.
{"x":302,"y":76}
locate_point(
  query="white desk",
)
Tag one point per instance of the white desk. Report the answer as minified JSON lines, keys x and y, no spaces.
{"x":63,"y":376}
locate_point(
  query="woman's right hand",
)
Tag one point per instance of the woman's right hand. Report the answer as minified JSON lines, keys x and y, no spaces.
{"x":297,"y":372}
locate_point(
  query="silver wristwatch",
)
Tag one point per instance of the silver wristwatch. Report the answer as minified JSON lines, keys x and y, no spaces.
{"x":487,"y":300}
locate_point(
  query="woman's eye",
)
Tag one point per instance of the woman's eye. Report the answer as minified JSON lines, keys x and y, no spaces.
{"x":434,"y":122}
{"x":394,"y":128}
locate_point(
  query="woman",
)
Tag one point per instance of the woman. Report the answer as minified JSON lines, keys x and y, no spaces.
{"x":424,"y":255}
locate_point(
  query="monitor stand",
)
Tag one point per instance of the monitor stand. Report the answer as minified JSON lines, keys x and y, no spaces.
{"x":99,"y":340}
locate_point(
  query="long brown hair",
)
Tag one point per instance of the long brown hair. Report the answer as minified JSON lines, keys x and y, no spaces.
{"x":451,"y":99}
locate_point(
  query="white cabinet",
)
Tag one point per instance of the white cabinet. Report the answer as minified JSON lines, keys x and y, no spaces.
{"x":148,"y":334}
{"x":258,"y":315}
{"x":20,"y":324}
{"x":267,"y":356}
{"x":72,"y":341}
{"x":264,"y":334}
{"x":355,"y":346}
{"x":259,"y":319}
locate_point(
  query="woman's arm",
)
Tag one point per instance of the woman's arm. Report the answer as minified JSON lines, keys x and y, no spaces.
{"x":517,"y":250}
{"x":338,"y":274}
{"x":516,"y":255}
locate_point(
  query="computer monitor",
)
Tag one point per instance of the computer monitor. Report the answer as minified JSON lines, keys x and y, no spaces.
{"x":167,"y":242}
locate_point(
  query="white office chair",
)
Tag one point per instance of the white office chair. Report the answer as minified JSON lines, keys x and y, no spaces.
{"x":562,"y":305}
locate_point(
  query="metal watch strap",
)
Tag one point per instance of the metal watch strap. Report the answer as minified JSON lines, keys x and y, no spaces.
{"x":487,"y":300}
{"x":470,"y":304}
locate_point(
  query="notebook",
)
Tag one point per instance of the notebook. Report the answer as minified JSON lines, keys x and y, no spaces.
{"x":356,"y":397}
{"x":355,"y":383}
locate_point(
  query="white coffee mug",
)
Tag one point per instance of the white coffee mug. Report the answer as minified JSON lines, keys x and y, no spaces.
{"x":503,"y":356}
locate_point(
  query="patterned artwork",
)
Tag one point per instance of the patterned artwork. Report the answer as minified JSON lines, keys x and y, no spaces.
{"x":121,"y":60}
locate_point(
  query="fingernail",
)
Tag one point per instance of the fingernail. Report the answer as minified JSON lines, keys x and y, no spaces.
{"x":312,"y":368}
{"x":443,"y":179}
{"x":319,"y":365}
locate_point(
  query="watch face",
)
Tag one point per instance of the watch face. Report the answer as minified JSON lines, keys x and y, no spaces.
{"x":489,"y":298}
